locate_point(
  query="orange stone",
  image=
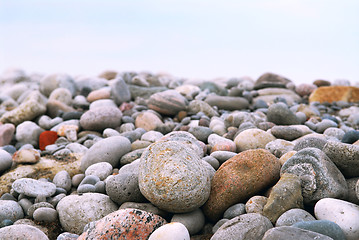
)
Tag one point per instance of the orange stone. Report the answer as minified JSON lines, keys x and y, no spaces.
{"x":335,"y":93}
{"x":239,"y":178}
{"x":47,"y":138}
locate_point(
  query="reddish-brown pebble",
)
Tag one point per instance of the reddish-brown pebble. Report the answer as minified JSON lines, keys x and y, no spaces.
{"x":47,"y":138}
{"x":124,"y":224}
{"x":239,"y":178}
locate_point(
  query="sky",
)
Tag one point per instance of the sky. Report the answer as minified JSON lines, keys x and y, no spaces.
{"x":303,"y":40}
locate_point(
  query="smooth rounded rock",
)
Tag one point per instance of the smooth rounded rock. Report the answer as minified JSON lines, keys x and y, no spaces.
{"x":256,"y":204}
{"x":234,"y":211}
{"x":62,"y":179}
{"x":287,"y":232}
{"x":101,"y":170}
{"x":324,"y":227}
{"x":32,"y":188}
{"x":292,"y":216}
{"x":76,"y":211}
{"x":173,"y":231}
{"x":176,"y":183}
{"x":252,"y":139}
{"x":5,"y":161}
{"x":106,"y":150}
{"x":7,"y":131}
{"x":99,"y":119}
{"x":246,"y":226}
{"x":45,"y":214}
{"x":240,"y":178}
{"x":227,"y":103}
{"x":168,"y":102}
{"x":22,"y":231}
{"x":10,"y":210}
{"x":280,"y":114}
{"x":343,"y":213}
{"x":193,"y":221}
{"x":124,"y":224}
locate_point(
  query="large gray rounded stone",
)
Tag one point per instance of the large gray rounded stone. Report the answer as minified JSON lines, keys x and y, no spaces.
{"x":106,"y":150}
{"x":76,"y":211}
{"x":292,"y":216}
{"x":280,"y":114}
{"x":286,"y":232}
{"x":98,"y":119}
{"x":22,"y":231}
{"x":173,"y":177}
{"x":246,"y":226}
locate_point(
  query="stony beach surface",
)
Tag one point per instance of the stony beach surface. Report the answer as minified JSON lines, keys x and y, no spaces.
{"x":136,"y":155}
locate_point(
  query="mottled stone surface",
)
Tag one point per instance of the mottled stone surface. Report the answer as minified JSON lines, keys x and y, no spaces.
{"x":345,"y":156}
{"x":99,"y":119}
{"x":22,"y":231}
{"x":76,"y":211}
{"x":32,"y":188}
{"x":335,"y":93}
{"x":173,"y":177}
{"x":285,"y":195}
{"x":319,"y":176}
{"x":169,"y":102}
{"x":246,"y":226}
{"x":252,"y":139}
{"x":124,"y":224}
{"x":240,"y":178}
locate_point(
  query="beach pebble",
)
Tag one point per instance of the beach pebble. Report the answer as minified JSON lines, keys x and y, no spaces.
{"x":62,"y":179}
{"x":343,"y":213}
{"x":309,"y":142}
{"x":51,"y":82}
{"x":76,"y":211}
{"x":22,"y":231}
{"x":148,"y":207}
{"x":33,"y":106}
{"x":193,"y":221}
{"x":245,"y":226}
{"x":47,"y":138}
{"x":5,"y":160}
{"x":324,"y":227}
{"x":26,"y":156}
{"x":280,"y":114}
{"x":293,"y":216}
{"x":33,"y":207}
{"x":252,"y":139}
{"x":234,"y":211}
{"x":124,"y":223}
{"x":120,"y":91}
{"x":256,"y":204}
{"x":173,"y":230}
{"x":148,"y":121}
{"x":99,"y":119}
{"x":345,"y":156}
{"x":334,"y":132}
{"x":181,"y":174}
{"x":284,"y":195}
{"x":7,"y":131}
{"x":168,"y":102}
{"x":325,"y":124}
{"x":101,"y":170}
{"x":28,"y":132}
{"x":279,"y":147}
{"x":240,"y":178}
{"x":45,"y":214}
{"x":197,"y":106}
{"x":285,"y":232}
{"x":32,"y":188}
{"x":227,"y":102}
{"x":223,"y":156}
{"x":319,"y":176}
{"x":67,"y":236}
{"x":350,"y":137}
{"x":106,"y":150}
{"x":286,"y":132}
{"x":10,"y":210}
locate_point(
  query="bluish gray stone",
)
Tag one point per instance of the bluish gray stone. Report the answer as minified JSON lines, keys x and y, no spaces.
{"x":292,"y":216}
{"x":101,"y":170}
{"x":235,"y":211}
{"x":324,"y":227}
{"x":5,"y":161}
{"x":194,"y":221}
{"x":280,"y":114}
{"x":309,"y":142}
{"x":45,"y":214}
{"x":62,"y":179}
{"x":120,"y":91}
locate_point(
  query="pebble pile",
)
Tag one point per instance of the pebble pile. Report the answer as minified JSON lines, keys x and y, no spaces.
{"x":129,"y":155}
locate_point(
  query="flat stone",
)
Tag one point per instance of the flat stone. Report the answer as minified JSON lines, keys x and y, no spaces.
{"x":334,"y":94}
{"x":287,"y":232}
{"x":181,"y":175}
{"x":324,"y":227}
{"x":32,"y":188}
{"x":227,"y":103}
{"x":286,"y":132}
{"x":268,"y":80}
{"x":240,"y":178}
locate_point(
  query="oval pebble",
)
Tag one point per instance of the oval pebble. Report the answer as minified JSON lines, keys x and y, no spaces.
{"x":10,"y":210}
{"x":45,"y":214}
{"x":174,"y":231}
{"x":32,"y":188}
{"x":102,"y":170}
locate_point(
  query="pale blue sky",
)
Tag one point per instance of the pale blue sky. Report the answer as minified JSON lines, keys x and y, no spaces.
{"x":301,"y":39}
